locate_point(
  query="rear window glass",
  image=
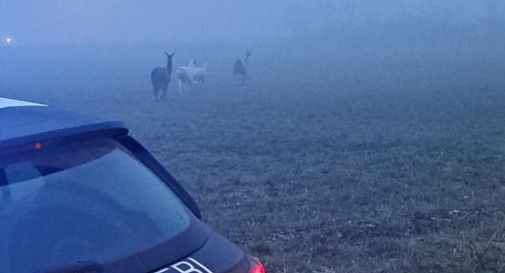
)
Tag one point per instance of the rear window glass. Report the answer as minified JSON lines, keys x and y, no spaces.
{"x":82,"y":201}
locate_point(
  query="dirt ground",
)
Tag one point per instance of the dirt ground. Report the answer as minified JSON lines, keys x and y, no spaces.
{"x":371,"y":165}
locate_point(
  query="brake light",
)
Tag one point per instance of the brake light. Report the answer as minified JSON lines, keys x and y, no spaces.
{"x":256,"y":267}
{"x":38,"y":146}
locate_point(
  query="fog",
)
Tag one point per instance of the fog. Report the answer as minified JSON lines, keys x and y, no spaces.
{"x":368,"y":136}
{"x":94,"y":22}
{"x":50,"y":39}
{"x":132,"y":22}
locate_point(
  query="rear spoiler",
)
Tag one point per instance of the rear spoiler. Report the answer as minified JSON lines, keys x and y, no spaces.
{"x":106,"y":129}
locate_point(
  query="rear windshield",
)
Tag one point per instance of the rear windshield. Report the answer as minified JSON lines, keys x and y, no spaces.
{"x":80,"y":202}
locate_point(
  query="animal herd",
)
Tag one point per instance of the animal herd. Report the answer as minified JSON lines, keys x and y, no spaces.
{"x":191,"y":75}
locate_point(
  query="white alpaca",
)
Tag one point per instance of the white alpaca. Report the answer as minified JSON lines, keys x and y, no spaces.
{"x":200,"y":73}
{"x":190,"y":75}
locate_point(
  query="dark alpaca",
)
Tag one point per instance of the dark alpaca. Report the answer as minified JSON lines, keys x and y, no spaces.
{"x":160,"y":78}
{"x":240,"y":68}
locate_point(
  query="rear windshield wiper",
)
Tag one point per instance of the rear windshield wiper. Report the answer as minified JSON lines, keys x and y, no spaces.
{"x":80,"y":267}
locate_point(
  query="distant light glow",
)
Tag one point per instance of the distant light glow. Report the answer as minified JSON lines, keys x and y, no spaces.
{"x":8,"y":40}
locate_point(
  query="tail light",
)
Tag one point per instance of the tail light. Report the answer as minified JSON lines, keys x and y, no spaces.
{"x":256,"y":266}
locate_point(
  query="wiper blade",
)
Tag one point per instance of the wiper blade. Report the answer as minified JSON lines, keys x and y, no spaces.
{"x":79,"y":267}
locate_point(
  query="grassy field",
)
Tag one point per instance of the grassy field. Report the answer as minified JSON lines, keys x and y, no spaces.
{"x":389,"y":162}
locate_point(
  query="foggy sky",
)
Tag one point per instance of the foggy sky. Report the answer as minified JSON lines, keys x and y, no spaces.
{"x":123,"y":22}
{"x":119,"y":22}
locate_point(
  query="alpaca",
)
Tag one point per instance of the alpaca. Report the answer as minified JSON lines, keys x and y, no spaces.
{"x":190,"y":75}
{"x":200,"y":73}
{"x":240,"y":68}
{"x":160,"y":78}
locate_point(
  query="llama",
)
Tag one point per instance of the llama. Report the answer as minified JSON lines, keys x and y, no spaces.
{"x":160,"y":78}
{"x":240,"y":68}
{"x":200,"y":73}
{"x":190,"y":75}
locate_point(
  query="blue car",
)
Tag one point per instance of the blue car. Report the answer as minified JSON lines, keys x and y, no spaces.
{"x":80,"y":195}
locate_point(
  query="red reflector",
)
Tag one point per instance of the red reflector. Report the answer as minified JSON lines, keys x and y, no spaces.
{"x":257,"y":267}
{"x":38,"y":146}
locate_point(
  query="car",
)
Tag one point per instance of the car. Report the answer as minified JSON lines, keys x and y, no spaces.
{"x":79,"y":194}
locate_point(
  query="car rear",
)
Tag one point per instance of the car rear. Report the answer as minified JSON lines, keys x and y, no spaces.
{"x":81,"y":196}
